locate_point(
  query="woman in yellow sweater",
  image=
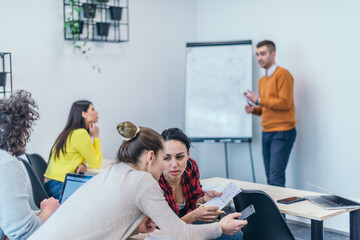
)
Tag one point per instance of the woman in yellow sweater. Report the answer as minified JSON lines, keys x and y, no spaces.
{"x":73,"y":147}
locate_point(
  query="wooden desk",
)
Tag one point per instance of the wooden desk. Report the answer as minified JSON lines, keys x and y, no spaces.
{"x":105,"y":163}
{"x":303,"y":209}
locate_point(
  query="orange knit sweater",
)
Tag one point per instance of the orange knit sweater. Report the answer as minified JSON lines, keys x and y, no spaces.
{"x":277,"y":107}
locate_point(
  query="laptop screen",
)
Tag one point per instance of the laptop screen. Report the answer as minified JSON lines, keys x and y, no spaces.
{"x":71,"y":184}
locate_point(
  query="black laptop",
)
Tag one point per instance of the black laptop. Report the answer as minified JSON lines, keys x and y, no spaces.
{"x":72,"y":182}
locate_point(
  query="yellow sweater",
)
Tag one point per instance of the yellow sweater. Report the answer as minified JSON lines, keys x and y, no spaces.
{"x":79,"y":148}
{"x":277,"y":107}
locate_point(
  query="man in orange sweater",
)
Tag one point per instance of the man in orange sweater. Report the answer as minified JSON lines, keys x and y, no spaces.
{"x":275,"y":105}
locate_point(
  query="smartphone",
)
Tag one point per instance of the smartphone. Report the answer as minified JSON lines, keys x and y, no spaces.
{"x":290,"y":200}
{"x":247,"y":212}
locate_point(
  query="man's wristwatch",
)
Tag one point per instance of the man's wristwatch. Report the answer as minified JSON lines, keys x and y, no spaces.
{"x":257,"y":101}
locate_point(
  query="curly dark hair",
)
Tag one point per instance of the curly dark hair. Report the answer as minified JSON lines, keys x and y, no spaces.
{"x":17,"y":116}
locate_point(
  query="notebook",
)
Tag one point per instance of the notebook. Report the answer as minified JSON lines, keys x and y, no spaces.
{"x":72,"y":182}
{"x":331,"y":200}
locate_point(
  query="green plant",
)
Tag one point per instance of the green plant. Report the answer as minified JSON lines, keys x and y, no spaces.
{"x":73,"y":20}
{"x":75,"y":26}
{"x":89,"y":9}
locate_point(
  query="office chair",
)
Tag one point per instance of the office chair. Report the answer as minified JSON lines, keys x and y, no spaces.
{"x":38,"y":164}
{"x":38,"y":189}
{"x":267,"y":223}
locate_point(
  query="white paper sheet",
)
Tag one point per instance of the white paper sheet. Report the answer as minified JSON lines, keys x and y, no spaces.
{"x":229,"y":192}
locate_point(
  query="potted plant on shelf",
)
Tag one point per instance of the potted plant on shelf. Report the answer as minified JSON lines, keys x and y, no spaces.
{"x":75,"y":26}
{"x":74,"y":23}
{"x":89,"y":9}
{"x":102,"y":28}
{"x":116,"y":11}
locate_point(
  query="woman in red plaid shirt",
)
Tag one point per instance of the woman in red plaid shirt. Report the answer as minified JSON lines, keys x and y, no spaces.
{"x":180,"y":182}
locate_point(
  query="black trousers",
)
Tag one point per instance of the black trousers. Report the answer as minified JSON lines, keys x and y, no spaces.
{"x":276,"y":148}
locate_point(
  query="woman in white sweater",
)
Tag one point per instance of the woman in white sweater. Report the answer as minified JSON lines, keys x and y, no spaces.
{"x":125,"y":199}
{"x":18,"y":217}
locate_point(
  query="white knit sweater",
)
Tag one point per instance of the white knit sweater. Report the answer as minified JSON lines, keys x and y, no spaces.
{"x":112,"y":204}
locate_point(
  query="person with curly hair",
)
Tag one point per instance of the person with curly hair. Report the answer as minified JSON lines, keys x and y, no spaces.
{"x":17,"y":218}
{"x":73,"y":147}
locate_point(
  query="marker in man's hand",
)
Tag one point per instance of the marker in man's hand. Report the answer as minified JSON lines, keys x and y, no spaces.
{"x":250,"y":103}
{"x":247,"y":100}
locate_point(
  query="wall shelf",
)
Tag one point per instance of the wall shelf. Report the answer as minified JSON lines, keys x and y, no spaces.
{"x":96,"y":20}
{"x":6,"y":85}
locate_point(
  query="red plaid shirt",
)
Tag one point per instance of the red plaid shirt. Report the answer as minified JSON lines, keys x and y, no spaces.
{"x":191,"y":188}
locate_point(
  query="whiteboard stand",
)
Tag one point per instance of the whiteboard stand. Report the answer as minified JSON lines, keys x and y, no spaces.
{"x":227,"y":163}
{"x":226,"y":159}
{"x":252,"y":161}
{"x":226,"y":141}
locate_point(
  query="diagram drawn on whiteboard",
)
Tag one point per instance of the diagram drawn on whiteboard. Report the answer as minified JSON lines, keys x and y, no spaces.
{"x":217,"y":75}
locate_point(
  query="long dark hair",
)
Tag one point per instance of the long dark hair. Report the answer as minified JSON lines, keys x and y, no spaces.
{"x":17,"y":116}
{"x":75,"y":121}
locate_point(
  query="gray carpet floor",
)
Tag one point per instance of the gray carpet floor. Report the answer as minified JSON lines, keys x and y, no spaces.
{"x":303,"y":232}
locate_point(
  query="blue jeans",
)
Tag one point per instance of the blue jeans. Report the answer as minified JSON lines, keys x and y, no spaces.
{"x":276,"y":148}
{"x":54,"y":188}
{"x":236,"y":236}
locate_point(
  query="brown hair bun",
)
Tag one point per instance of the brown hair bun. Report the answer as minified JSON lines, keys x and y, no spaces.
{"x":128,"y":130}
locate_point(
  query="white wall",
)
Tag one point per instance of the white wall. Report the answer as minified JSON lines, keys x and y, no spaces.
{"x":317,"y":41}
{"x":141,"y":80}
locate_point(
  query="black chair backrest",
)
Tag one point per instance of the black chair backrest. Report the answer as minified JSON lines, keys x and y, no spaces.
{"x":38,"y":164}
{"x":266,"y":223}
{"x":39,"y":192}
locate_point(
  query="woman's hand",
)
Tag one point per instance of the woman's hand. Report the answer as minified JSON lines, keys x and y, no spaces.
{"x":205,"y":214}
{"x":48,"y":207}
{"x":146,"y":225}
{"x":211,"y":194}
{"x":230,"y":224}
{"x":94,"y":130}
{"x":81,"y":168}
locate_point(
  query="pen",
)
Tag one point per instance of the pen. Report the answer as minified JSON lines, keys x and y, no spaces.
{"x":217,"y":210}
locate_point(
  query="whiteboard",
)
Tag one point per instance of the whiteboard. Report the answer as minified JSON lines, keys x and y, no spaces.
{"x":217,"y":75}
